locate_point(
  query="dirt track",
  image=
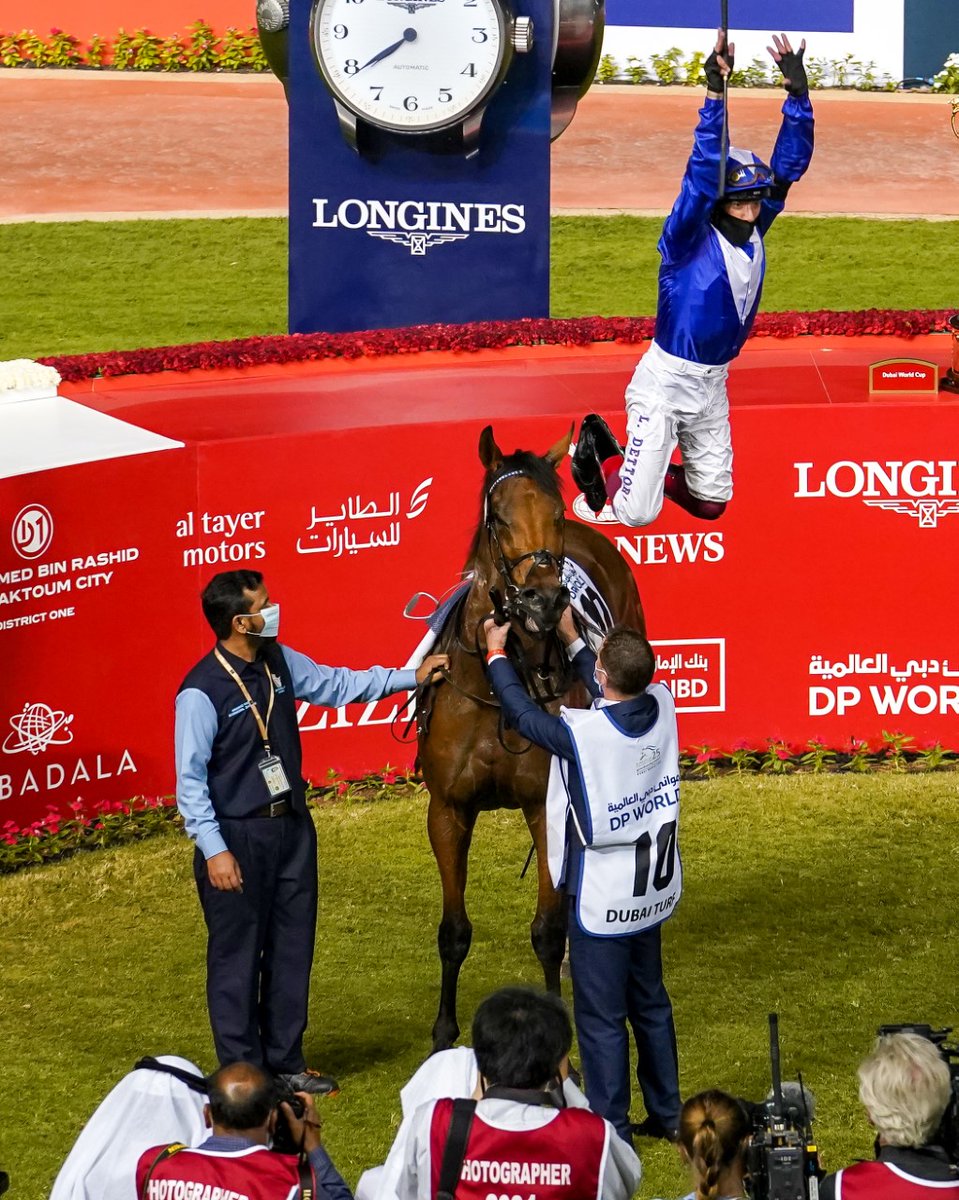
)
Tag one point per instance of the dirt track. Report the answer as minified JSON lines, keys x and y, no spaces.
{"x":86,"y":144}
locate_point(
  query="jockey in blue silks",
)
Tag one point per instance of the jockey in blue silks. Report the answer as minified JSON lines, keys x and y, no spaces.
{"x":710,"y":282}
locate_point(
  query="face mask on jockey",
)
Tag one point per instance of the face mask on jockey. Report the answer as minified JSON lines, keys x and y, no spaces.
{"x":733,"y":229}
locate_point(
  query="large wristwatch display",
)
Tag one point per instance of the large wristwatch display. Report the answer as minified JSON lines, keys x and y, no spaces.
{"x":415,"y":69}
{"x":577,"y":44}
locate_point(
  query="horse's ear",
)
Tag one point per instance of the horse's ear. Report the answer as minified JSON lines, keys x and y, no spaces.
{"x":490,"y":454}
{"x":557,"y":453}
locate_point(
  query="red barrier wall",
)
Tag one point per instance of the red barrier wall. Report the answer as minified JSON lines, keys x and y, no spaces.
{"x":820,"y":606}
{"x":105,"y":17}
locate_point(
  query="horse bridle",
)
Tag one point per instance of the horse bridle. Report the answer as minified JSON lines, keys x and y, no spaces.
{"x":511,"y":604}
{"x":504,"y":608}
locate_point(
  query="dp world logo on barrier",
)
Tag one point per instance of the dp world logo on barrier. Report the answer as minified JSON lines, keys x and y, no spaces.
{"x":922,"y":489}
{"x":32,"y":531}
{"x":35,"y":728}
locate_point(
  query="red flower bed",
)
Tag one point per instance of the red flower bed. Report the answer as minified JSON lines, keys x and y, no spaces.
{"x":480,"y":335}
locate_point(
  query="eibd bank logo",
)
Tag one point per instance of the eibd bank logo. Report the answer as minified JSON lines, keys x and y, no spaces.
{"x":923,"y":489}
{"x":694,"y":670}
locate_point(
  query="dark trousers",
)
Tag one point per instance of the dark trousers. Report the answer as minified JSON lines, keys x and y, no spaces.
{"x":260,"y":942}
{"x":615,"y":981}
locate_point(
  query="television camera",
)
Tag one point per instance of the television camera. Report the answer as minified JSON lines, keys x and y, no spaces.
{"x":782,"y":1159}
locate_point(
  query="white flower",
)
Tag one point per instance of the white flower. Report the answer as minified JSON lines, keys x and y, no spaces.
{"x":22,"y":374}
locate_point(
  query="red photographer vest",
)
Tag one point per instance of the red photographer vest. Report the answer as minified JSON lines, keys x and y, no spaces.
{"x":883,"y":1181}
{"x":252,"y":1174}
{"x":561,"y":1160}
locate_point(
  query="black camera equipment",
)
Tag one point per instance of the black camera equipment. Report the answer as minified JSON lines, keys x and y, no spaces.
{"x":948,"y":1133}
{"x":782,"y":1161}
{"x":283,"y":1140}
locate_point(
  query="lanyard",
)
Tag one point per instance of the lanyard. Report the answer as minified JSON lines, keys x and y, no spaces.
{"x":261,"y":724}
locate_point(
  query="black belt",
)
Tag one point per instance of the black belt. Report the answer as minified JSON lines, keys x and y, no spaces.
{"x":278,"y":808}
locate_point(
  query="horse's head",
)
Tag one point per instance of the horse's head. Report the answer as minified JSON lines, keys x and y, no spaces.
{"x":524,"y":518}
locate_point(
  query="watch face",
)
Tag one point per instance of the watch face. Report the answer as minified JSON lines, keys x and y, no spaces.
{"x":410,"y":65}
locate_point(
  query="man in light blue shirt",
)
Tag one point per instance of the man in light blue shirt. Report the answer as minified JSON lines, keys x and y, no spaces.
{"x":242,"y":795}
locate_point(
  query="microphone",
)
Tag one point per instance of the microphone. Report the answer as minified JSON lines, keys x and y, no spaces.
{"x":798,"y":1102}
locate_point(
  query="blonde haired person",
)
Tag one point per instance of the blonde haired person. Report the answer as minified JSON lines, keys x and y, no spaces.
{"x":904,"y":1086}
{"x":714,"y":1129}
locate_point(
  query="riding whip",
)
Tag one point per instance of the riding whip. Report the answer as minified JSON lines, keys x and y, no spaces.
{"x":724,"y":136}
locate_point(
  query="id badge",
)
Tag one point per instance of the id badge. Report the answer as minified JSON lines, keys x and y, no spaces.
{"x":277,"y":784}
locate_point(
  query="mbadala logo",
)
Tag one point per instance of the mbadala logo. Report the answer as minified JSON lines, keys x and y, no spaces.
{"x":919,"y":488}
{"x":34,"y":730}
{"x":419,"y":224}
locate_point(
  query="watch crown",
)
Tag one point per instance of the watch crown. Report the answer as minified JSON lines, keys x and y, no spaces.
{"x":272,"y":16}
{"x":523,"y":35}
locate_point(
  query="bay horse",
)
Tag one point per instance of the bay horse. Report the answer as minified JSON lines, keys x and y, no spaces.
{"x":516,"y":563}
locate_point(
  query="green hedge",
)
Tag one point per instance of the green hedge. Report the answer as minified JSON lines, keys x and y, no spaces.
{"x":201,"y":49}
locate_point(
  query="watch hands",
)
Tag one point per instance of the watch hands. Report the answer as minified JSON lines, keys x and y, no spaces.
{"x":409,"y":35}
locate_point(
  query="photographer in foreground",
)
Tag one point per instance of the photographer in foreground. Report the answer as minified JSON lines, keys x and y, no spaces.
{"x":236,"y":1159}
{"x":905,"y":1088}
{"x":519,"y":1138}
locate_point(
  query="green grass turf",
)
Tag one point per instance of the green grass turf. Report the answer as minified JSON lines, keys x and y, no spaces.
{"x":83,"y":286}
{"x":829,"y":899}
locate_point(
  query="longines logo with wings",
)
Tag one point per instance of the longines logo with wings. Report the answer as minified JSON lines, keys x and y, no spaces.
{"x":413,"y":6}
{"x":926,"y":490}
{"x":419,"y":225}
{"x":418,"y":243}
{"x":927,"y":512}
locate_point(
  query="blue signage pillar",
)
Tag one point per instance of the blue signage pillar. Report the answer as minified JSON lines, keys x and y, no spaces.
{"x":419,"y":162}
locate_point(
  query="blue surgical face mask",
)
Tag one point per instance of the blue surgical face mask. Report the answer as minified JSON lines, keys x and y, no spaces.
{"x":597,"y":671}
{"x":271,"y":621}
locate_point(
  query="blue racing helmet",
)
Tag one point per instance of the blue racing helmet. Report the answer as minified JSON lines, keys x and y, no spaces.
{"x":747,"y":177}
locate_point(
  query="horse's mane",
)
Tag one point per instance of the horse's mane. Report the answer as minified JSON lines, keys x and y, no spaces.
{"x":540,"y":470}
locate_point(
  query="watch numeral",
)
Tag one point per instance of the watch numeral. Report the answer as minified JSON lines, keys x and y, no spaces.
{"x":469,"y":69}
{"x":351,"y":66}
{"x":470,"y":4}
{"x":340,"y":32}
{"x":480,"y":35}
{"x":378,"y":89}
{"x":446,"y":95}
{"x":354,"y":1}
{"x":411,"y":104}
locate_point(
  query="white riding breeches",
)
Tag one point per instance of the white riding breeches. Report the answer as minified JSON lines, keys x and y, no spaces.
{"x":671,"y":401}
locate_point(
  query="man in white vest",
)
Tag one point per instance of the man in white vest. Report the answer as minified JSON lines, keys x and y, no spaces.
{"x":612,"y":817}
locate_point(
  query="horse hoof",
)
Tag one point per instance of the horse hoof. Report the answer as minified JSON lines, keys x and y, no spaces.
{"x":445,"y":1038}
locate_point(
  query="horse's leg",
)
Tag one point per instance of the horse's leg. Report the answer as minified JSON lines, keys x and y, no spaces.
{"x":548,"y":927}
{"x":451,"y":832}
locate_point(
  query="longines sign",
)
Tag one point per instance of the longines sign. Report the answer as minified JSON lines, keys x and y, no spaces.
{"x":419,"y":224}
{"x":398,"y":217}
{"x":921,"y":488}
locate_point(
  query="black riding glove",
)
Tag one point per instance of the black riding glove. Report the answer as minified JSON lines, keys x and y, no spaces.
{"x":794,"y":73}
{"x":714,"y":76}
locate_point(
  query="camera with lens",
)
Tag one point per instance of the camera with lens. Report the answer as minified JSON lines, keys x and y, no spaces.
{"x":782,"y":1160}
{"x":283,"y":1140}
{"x":948,"y":1133}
